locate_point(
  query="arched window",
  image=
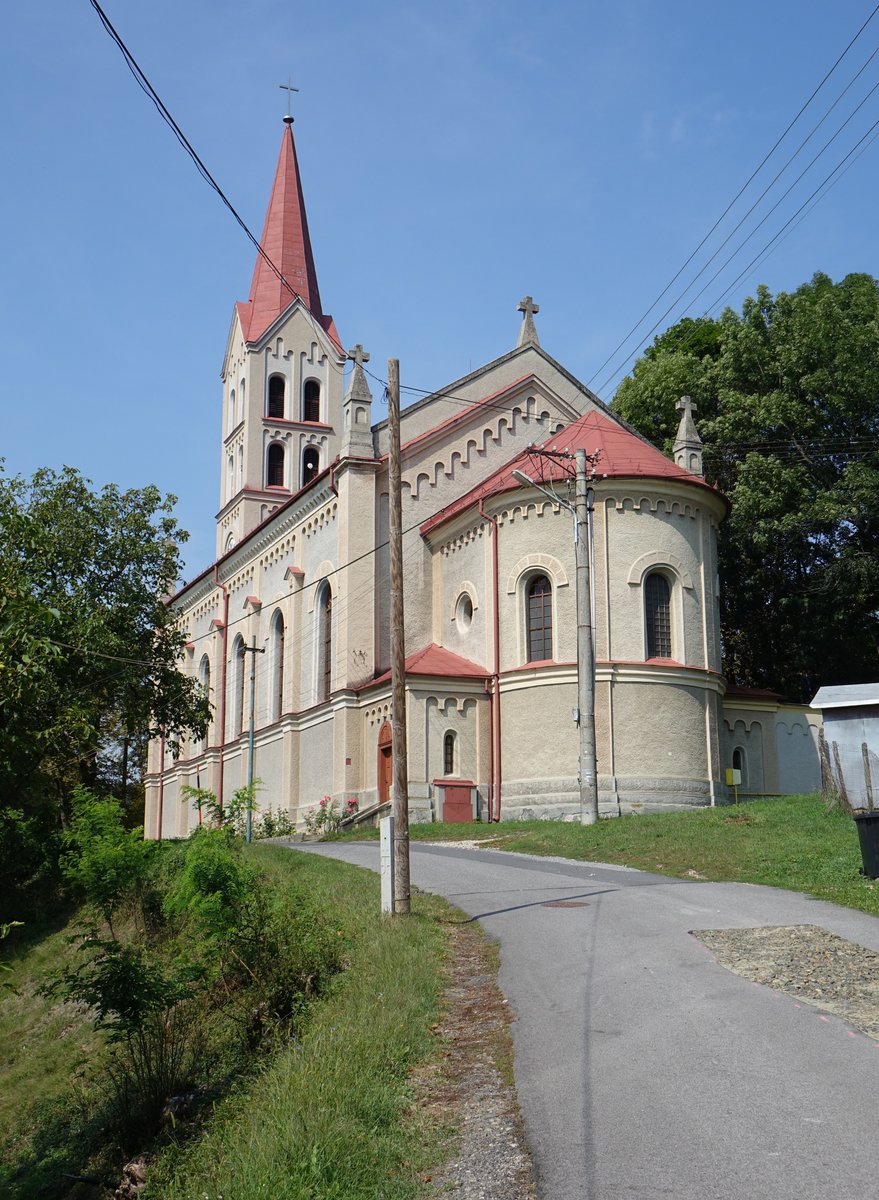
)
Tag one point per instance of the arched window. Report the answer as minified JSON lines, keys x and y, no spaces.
{"x":325,"y":644}
{"x":241,"y":466}
{"x":204,"y":678}
{"x":232,"y":421}
{"x":449,"y":754}
{"x":657,"y":616}
{"x":311,"y":400}
{"x":538,"y":616}
{"x":310,"y":465}
{"x":241,"y":398}
{"x":230,"y":477}
{"x":275,"y":465}
{"x":277,"y":665}
{"x":239,"y":668}
{"x":277,"y":390}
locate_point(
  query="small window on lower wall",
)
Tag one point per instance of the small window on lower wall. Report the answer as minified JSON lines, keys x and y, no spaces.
{"x":657,"y":616}
{"x":449,"y":754}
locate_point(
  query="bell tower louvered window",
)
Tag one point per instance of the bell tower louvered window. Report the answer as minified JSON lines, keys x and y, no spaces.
{"x":310,"y":465}
{"x":311,"y":400}
{"x":275,"y":466}
{"x":277,"y":390}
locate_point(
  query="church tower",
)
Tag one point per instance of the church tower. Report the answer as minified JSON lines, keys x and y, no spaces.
{"x":283,"y":370}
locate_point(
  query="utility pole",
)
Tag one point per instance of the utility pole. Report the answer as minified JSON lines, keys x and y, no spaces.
{"x":585,"y":651}
{"x":252,"y":651}
{"x":584,"y":713}
{"x":398,"y":650}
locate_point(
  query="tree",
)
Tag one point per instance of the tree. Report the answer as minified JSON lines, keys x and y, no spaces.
{"x":89,"y":654}
{"x":788,"y":407}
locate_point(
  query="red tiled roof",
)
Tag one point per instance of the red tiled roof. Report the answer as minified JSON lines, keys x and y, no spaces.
{"x":286,"y":242}
{"x":622,"y":454}
{"x":436,"y":660}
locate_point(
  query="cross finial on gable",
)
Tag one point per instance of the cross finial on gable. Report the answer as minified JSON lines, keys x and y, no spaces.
{"x":289,"y":89}
{"x":685,"y":406}
{"x":358,"y":355}
{"x":528,"y":332}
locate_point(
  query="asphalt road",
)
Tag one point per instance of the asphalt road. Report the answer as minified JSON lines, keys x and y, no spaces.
{"x":645,"y":1069}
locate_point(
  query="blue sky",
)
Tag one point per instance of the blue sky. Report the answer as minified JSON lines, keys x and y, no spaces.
{"x":454,"y":158}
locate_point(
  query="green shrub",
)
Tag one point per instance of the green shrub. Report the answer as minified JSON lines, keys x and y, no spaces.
{"x":105,"y":861}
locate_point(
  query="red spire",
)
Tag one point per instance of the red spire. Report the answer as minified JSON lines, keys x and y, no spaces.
{"x":286,"y":242}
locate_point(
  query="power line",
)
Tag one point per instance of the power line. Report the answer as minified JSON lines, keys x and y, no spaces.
{"x":735,"y":199}
{"x":150,"y":91}
{"x":761,"y":222}
{"x":795,"y":225}
{"x":790,"y":219}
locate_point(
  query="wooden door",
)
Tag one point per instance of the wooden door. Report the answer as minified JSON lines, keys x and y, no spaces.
{"x":385,"y":764}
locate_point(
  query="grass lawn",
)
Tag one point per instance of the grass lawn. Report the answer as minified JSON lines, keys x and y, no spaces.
{"x":787,"y":841}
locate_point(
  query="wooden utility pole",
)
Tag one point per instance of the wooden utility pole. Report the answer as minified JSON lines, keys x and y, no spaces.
{"x":398,"y":649}
{"x":585,"y":652}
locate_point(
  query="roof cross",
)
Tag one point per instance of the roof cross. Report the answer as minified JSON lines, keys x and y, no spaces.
{"x":685,"y":406}
{"x":289,"y":89}
{"x":528,"y":330}
{"x":358,"y":355}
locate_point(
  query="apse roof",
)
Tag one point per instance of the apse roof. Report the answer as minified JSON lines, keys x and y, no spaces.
{"x":621,"y":454}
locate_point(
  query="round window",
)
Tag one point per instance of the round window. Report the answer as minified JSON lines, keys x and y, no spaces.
{"x":464,"y":611}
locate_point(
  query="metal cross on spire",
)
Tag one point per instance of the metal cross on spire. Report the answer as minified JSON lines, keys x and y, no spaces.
{"x":289,"y":89}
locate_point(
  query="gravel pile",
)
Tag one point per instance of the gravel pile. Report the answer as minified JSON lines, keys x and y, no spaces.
{"x":807,"y":962}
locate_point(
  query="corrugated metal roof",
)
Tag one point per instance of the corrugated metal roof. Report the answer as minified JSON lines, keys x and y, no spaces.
{"x":846,"y":696}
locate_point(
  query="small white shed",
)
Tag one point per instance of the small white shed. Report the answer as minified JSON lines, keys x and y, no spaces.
{"x":850,"y":742}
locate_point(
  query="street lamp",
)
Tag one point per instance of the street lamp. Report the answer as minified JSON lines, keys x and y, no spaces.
{"x":585,"y":712}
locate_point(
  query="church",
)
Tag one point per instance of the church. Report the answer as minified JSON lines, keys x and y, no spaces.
{"x":299,"y":591}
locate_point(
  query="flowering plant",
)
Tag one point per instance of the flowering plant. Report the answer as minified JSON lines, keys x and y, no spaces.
{"x":327,"y":817}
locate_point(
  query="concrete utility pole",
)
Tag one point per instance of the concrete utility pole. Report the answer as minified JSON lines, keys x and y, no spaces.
{"x":584,"y":713}
{"x":402,"y":902}
{"x":585,"y":651}
{"x":252,"y":651}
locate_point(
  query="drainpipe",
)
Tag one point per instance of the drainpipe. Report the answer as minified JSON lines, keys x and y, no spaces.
{"x":495,"y":802}
{"x":161,"y":784}
{"x":225,"y":591}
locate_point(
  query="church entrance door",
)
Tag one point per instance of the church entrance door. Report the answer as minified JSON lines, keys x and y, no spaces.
{"x":385,"y":764}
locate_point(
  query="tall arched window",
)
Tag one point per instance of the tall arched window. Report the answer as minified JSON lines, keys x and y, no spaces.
{"x":239,"y":669}
{"x":325,"y":643}
{"x":275,"y":465}
{"x":230,"y":477}
{"x":538,"y":601}
{"x":277,"y":390}
{"x":241,"y":392}
{"x":311,"y":400}
{"x":204,"y":678}
{"x":232,"y":414}
{"x":277,"y":665}
{"x":657,"y":616}
{"x":310,"y":465}
{"x":449,"y":754}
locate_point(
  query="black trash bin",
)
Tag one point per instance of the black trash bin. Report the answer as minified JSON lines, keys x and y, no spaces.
{"x":868,"y":836}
